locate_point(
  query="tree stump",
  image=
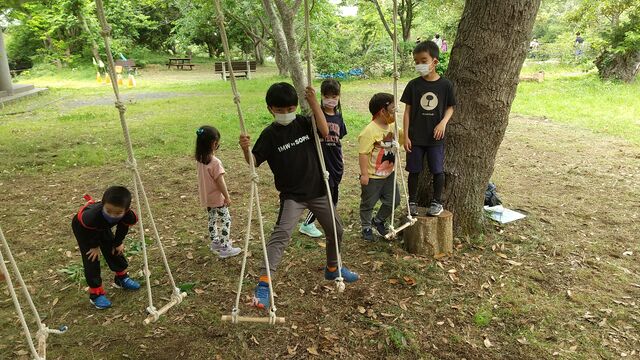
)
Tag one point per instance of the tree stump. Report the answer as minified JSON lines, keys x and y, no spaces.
{"x":430,"y":235}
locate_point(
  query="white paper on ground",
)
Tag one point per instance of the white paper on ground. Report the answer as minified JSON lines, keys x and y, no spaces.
{"x":503,"y":215}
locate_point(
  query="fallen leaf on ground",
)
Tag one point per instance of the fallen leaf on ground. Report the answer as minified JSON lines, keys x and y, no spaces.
{"x":487,"y":343}
{"x":514,"y":263}
{"x":313,"y":351}
{"x":409,"y":280}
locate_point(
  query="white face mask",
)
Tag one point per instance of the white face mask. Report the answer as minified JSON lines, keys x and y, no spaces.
{"x":330,"y":103}
{"x":423,"y":69}
{"x":285,"y":119}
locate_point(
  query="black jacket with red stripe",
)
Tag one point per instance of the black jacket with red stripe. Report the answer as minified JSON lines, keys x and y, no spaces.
{"x":89,"y":225}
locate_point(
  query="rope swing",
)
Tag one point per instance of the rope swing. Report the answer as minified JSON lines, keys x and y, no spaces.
{"x":43,"y":331}
{"x":254,"y":197}
{"x":176,"y":296}
{"x":393,"y":232}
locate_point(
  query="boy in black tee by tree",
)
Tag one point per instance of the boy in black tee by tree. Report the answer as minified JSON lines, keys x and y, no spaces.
{"x":288,"y":147}
{"x":429,"y":101}
{"x":92,"y":229}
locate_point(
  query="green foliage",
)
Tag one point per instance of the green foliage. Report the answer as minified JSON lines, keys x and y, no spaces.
{"x":22,"y":44}
{"x":187,"y":287}
{"x":483,"y":317}
{"x":74,"y":272}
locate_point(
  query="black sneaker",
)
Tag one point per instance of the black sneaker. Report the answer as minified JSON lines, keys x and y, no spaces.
{"x":367,"y":234}
{"x":379,"y":225}
{"x":413,"y":209}
{"x":435,"y":209}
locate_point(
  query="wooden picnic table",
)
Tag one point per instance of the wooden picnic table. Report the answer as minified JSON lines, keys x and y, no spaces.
{"x":180,"y":63}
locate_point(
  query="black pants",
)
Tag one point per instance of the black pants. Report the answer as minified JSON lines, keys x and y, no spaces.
{"x":117,"y":263}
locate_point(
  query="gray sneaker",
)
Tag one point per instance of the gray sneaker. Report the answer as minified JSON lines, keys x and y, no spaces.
{"x":413,"y":209}
{"x":435,"y":209}
{"x":228,"y":251}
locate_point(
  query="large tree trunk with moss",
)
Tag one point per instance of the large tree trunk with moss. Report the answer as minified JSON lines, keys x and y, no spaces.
{"x":624,"y":67}
{"x":490,"y":48}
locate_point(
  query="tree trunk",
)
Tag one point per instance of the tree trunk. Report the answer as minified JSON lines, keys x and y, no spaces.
{"x":487,"y":56}
{"x":94,"y":45}
{"x":283,"y":70}
{"x":285,"y":37}
{"x":258,"y":50}
{"x":49,"y":45}
{"x":210,"y":50}
{"x":622,"y":67}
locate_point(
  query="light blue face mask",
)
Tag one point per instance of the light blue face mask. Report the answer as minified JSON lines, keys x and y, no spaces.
{"x":111,"y":219}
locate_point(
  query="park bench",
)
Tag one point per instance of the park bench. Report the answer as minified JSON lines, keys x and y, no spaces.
{"x":128,"y":65}
{"x":240,"y":68}
{"x":180,"y":63}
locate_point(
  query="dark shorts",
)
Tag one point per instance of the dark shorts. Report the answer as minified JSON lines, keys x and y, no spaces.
{"x":435,"y":159}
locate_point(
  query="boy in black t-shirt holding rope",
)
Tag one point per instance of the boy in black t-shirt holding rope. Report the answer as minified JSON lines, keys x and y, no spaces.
{"x":429,"y":101}
{"x":288,"y":147}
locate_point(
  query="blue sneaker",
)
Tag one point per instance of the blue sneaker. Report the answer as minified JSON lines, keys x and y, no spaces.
{"x":348,"y":275}
{"x":101,"y":302}
{"x":126,"y":283}
{"x":367,"y":234}
{"x":379,"y":225}
{"x":261,"y":296}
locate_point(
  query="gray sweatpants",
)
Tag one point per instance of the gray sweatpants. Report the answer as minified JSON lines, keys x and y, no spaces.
{"x":288,"y":217}
{"x":377,"y":189}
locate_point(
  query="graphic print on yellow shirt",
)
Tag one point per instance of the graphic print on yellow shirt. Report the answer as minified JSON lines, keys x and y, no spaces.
{"x":376,"y":143}
{"x":382,"y":158}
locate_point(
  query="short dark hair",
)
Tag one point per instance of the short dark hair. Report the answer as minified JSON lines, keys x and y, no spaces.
{"x":119,"y":196}
{"x":437,"y":36}
{"x":429,"y":47}
{"x":281,"y":94}
{"x":205,"y":136}
{"x":379,"y":101}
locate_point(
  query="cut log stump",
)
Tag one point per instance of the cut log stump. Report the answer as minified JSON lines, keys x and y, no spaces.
{"x":430,"y":236}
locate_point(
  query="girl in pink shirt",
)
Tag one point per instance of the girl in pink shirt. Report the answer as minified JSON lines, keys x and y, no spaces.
{"x":213,"y":191}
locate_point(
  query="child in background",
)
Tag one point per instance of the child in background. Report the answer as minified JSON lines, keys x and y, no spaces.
{"x":213,"y":191}
{"x":377,"y":158}
{"x":331,"y":147}
{"x":92,"y":229}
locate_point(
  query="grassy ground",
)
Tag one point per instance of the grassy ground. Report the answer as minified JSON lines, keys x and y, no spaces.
{"x":559,"y":284}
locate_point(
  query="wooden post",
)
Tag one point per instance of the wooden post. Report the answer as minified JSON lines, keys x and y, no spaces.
{"x":430,"y":236}
{"x":248,"y":70}
{"x":224,"y":71}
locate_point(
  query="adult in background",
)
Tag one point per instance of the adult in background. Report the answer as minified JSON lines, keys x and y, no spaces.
{"x":436,"y":39}
{"x":578,"y":45}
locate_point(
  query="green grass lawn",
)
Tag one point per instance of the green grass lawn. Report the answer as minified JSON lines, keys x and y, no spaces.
{"x":582,"y":100}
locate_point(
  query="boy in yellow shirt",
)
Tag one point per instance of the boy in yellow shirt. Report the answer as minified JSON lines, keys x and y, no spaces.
{"x":377,"y":151}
